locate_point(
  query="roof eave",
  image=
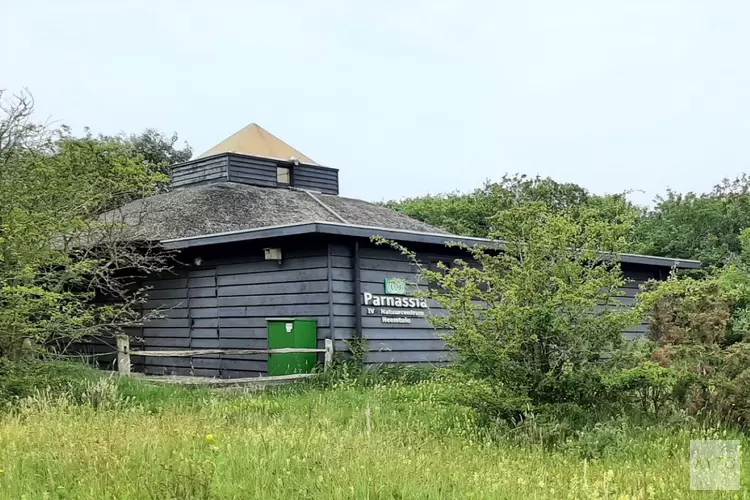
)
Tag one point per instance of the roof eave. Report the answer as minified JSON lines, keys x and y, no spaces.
{"x":239,"y":236}
{"x":401,"y":235}
{"x":329,"y":228}
{"x":652,"y":260}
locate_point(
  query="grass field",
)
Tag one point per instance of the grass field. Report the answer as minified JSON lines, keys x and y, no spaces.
{"x":126,"y":440}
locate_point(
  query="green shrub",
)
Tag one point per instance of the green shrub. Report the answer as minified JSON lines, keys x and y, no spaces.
{"x":491,"y":400}
{"x":531,"y":322}
{"x":20,"y":379}
{"x":701,"y":343}
{"x":585,"y":387}
{"x":652,"y":387}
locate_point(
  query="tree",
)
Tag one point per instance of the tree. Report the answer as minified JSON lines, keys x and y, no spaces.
{"x":471,"y":214}
{"x":706,"y":226}
{"x":158,"y":151}
{"x":55,"y":258}
{"x":542,"y":307}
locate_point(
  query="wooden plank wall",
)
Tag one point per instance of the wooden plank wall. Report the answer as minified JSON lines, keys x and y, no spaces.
{"x":323,"y":179}
{"x":200,"y":171}
{"x":249,"y":170}
{"x":638,"y":275}
{"x":258,"y":172}
{"x":415,"y":343}
{"x":224,"y":303}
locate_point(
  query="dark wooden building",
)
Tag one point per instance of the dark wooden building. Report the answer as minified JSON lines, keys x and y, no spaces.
{"x":262,"y":232}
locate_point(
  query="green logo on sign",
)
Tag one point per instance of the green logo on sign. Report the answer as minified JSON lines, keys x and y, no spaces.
{"x":395,"y":286}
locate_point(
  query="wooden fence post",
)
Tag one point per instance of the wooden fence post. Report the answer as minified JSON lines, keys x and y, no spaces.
{"x":328,"y":359}
{"x":123,"y":354}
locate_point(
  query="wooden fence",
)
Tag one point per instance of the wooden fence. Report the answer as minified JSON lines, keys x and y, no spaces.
{"x":124,"y":353}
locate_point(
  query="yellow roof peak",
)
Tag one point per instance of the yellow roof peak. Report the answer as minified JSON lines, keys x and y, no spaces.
{"x":256,"y":141}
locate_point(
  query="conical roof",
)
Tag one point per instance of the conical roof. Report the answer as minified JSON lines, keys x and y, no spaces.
{"x":256,"y":141}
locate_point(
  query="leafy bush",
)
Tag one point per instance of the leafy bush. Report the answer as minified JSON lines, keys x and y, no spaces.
{"x":528,"y":320}
{"x":490,"y":400}
{"x":652,"y":387}
{"x":700,"y":330}
{"x":586,"y":387}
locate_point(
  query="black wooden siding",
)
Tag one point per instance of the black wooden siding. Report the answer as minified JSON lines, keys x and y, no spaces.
{"x":224,"y":303}
{"x":638,"y":275}
{"x":323,"y":179}
{"x":201,"y":171}
{"x":255,"y":171}
{"x":249,"y":170}
{"x":415,"y":342}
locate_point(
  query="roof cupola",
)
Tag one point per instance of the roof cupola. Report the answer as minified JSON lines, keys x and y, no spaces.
{"x":255,"y":156}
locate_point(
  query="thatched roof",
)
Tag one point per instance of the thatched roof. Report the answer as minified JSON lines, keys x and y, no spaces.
{"x":227,"y":206}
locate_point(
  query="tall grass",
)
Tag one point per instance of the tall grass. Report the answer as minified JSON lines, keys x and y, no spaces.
{"x":127,"y":440}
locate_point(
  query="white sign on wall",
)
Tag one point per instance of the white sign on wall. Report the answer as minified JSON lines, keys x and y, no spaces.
{"x":394,"y":308}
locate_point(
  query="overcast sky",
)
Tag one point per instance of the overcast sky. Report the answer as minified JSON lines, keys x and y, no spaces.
{"x":410,"y":97}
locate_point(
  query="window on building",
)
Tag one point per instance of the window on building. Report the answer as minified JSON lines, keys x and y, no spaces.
{"x":283,"y":175}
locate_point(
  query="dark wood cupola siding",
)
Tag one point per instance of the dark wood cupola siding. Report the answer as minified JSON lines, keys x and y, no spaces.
{"x":256,"y":171}
{"x":226,"y":208}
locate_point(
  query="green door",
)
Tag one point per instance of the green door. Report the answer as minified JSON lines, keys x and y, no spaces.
{"x":289,"y":333}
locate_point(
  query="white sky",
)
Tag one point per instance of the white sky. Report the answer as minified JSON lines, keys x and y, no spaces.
{"x":409,"y":98}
